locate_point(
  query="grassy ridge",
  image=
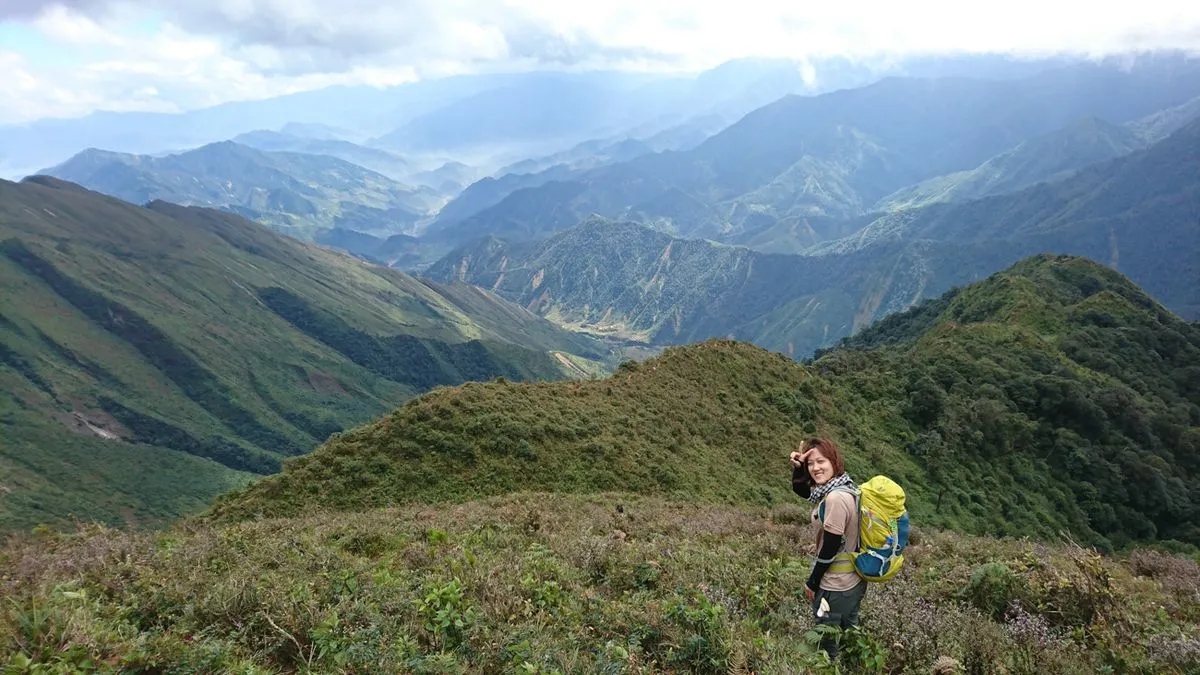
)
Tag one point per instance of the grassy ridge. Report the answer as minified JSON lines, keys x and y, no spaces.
{"x":628,"y":432}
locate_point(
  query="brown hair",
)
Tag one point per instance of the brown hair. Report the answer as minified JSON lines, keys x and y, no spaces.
{"x":829,"y":450}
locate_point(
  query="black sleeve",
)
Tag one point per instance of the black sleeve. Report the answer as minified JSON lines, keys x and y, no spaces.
{"x":801,"y":482}
{"x":830,"y":545}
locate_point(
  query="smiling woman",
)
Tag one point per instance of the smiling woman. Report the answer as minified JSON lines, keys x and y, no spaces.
{"x":819,"y":475}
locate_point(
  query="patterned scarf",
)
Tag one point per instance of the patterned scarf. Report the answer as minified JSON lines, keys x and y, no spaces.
{"x":820,"y":491}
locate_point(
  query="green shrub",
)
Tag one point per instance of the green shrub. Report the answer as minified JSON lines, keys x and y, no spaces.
{"x":993,"y":588}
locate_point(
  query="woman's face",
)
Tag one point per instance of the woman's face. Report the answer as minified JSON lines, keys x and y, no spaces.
{"x":819,"y":468}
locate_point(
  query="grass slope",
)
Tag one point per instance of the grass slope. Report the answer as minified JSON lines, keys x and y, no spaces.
{"x":145,"y":372}
{"x":550,"y":583}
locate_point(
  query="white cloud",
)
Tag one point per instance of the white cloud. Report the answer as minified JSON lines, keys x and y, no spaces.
{"x":720,"y":31}
{"x":66,"y":26}
{"x":207,"y":51}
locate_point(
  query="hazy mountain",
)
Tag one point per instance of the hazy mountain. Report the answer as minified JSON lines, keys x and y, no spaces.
{"x":548,"y":112}
{"x":369,"y":110}
{"x":540,"y":109}
{"x":1045,"y":158}
{"x":153,"y":357}
{"x":318,"y":132}
{"x":293,"y":192}
{"x":586,"y":155}
{"x":530,"y":173}
{"x":687,"y":135}
{"x":836,"y":154}
{"x":355,"y":113}
{"x":380,"y":161}
{"x":1050,"y":157}
{"x":563,"y":166}
{"x":449,"y":178}
{"x":1159,"y":125}
{"x":487,"y":192}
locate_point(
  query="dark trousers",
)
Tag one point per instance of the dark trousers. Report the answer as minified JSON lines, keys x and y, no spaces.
{"x":843,"y":613}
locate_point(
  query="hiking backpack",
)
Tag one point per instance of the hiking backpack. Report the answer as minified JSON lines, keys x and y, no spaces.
{"x":882,"y":531}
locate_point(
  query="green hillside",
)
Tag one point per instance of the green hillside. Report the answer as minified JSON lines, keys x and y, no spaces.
{"x":1064,"y":378}
{"x":1008,"y":407}
{"x":153,"y":357}
{"x":296,"y":193}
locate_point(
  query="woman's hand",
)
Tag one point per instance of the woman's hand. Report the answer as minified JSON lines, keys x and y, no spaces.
{"x":799,"y":459}
{"x":808,"y":593}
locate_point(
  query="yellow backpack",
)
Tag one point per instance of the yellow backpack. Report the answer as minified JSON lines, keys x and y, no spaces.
{"x":882,"y":531}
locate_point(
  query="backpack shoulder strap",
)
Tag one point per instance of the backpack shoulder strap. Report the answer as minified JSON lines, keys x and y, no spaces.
{"x":854,"y":494}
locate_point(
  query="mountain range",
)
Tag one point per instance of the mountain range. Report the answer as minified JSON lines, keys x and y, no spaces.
{"x":361,"y":114}
{"x":1134,"y":212}
{"x":835,"y":155}
{"x":153,"y":356}
{"x":395,"y":116}
{"x":1043,"y":179}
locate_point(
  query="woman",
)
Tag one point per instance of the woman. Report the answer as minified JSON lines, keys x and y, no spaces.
{"x":834,"y":588}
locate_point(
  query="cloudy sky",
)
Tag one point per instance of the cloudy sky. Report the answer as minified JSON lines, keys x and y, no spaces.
{"x":63,"y":58}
